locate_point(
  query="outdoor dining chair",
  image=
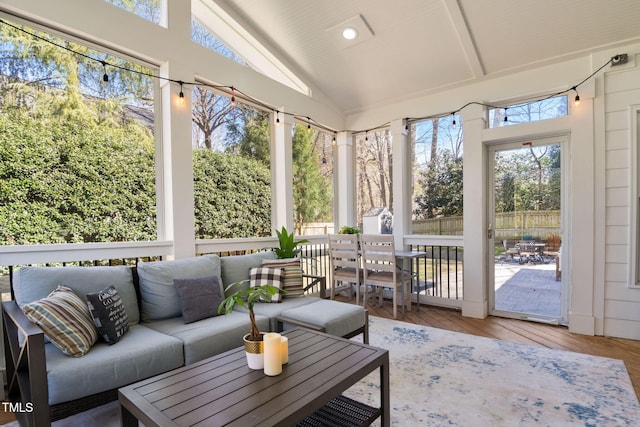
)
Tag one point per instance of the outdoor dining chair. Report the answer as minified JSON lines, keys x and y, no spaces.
{"x":381,"y":270}
{"x":344,"y":262}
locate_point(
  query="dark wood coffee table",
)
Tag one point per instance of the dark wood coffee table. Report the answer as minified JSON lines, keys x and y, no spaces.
{"x":223,"y":391}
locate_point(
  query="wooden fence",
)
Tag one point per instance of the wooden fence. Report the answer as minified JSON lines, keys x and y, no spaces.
{"x":449,"y":226}
{"x":517,"y":225}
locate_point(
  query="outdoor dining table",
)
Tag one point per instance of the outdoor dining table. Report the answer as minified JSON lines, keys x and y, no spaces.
{"x":531,"y":250}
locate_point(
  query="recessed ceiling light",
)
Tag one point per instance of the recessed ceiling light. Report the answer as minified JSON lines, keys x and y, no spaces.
{"x":349,"y":33}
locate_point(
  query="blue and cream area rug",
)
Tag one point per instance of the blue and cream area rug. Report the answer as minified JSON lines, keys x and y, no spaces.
{"x":442,"y":378}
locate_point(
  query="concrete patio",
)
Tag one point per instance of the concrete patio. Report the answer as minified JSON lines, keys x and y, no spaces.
{"x":528,"y":288}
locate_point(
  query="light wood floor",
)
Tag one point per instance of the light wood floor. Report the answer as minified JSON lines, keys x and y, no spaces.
{"x":556,"y":337}
{"x":6,"y":417}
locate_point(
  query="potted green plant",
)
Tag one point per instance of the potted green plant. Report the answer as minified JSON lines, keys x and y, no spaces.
{"x":288,"y":245}
{"x":287,"y":253}
{"x":349,"y":230}
{"x":247,"y":297}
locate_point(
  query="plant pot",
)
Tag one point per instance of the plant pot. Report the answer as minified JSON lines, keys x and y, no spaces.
{"x":255,"y":352}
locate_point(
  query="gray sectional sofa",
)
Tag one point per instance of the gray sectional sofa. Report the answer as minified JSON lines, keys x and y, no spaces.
{"x":157,"y":339}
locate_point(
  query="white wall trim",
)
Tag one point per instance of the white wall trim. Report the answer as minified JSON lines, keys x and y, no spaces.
{"x":634,"y":201}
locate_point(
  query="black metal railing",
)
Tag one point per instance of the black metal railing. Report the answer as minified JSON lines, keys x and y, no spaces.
{"x":439,"y":272}
{"x":436,"y":274}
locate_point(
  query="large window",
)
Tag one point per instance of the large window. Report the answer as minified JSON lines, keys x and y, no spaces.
{"x":549,"y":108}
{"x":76,"y":142}
{"x":312,"y":180}
{"x":437,"y":175}
{"x":374,"y":172}
{"x":231,"y":167}
{"x":201,"y":35}
{"x":147,"y":9}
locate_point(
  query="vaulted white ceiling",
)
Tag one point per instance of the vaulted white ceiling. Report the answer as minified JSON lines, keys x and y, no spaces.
{"x":424,"y":46}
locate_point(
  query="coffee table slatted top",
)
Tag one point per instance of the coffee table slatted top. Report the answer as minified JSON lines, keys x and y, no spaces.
{"x":223,"y":391}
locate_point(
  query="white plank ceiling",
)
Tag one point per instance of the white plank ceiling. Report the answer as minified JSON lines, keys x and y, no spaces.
{"x":424,"y":46}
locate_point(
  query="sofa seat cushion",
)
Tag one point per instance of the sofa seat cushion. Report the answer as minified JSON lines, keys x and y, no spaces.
{"x":208,"y":337}
{"x":141,"y":353}
{"x":33,"y":283}
{"x":337,"y":318}
{"x":273,"y":310}
{"x":159,"y":297}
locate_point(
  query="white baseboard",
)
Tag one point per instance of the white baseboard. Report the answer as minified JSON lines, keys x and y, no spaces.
{"x":582,"y":324}
{"x":476,"y":309}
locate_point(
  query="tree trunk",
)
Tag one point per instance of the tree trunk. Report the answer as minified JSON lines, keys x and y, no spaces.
{"x":255,"y":332}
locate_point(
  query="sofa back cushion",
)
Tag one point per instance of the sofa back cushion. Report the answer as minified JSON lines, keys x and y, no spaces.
{"x":33,"y":283}
{"x":158,"y":294}
{"x":236,"y":268}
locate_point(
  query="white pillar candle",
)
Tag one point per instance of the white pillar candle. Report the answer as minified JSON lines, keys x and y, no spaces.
{"x":272,"y":354}
{"x":284,"y":348}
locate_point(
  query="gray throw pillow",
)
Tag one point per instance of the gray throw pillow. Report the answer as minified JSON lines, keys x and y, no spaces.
{"x":199,"y":297}
{"x":159,"y":299}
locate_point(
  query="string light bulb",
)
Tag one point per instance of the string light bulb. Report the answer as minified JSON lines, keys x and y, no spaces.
{"x":576,"y":100}
{"x":105,"y":76}
{"x":453,"y":123}
{"x":333,"y":141}
{"x":233,"y":96}
{"x":181,"y":94}
{"x":506,"y":118}
{"x":277,"y":118}
{"x":308,"y":125}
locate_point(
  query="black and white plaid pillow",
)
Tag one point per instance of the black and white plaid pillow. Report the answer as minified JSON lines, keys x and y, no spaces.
{"x":259,"y":276}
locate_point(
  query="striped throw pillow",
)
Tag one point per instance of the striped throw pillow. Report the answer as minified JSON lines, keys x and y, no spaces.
{"x":65,"y":320}
{"x":292,"y":283}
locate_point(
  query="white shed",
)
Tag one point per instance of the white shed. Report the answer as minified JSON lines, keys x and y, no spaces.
{"x":377,"y":221}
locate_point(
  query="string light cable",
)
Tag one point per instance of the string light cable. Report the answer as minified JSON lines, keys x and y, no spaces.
{"x":536,"y":99}
{"x":233,"y":91}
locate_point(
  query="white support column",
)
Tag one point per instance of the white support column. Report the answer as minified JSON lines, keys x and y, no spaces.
{"x":175,"y":185}
{"x":344,"y":181}
{"x":585,"y":165}
{"x":402,"y":189}
{"x":475,"y":303}
{"x":282,"y":172}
